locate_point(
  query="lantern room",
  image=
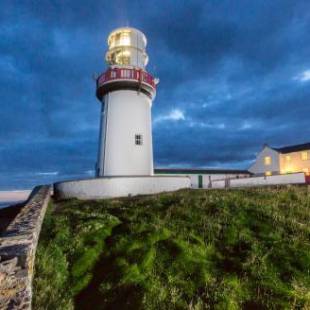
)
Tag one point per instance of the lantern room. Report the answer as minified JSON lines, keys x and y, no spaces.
{"x":127,"y":48}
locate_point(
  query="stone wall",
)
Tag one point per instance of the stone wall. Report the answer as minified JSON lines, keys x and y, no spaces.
{"x":18,"y":245}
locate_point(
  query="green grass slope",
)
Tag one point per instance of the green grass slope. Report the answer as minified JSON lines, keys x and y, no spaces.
{"x":234,"y":249}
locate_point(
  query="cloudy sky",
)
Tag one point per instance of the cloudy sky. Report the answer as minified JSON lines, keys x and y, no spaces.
{"x":233,"y":76}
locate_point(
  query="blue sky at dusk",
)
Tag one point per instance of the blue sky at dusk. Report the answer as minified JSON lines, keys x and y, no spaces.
{"x":233,"y":76}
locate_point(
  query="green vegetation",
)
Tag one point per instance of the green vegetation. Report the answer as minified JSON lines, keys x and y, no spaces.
{"x":234,"y":249}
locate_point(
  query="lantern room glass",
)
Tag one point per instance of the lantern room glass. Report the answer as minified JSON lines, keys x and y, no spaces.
{"x":127,"y":48}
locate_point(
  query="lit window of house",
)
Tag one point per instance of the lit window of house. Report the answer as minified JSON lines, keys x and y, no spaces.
{"x":268,"y":173}
{"x":288,"y":158}
{"x":306,"y":171}
{"x":267,"y":160}
{"x":304,"y":155}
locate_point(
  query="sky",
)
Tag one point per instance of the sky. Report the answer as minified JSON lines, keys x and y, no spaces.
{"x":233,"y":76}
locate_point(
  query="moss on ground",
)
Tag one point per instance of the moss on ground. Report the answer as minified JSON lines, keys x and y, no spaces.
{"x":234,"y":249}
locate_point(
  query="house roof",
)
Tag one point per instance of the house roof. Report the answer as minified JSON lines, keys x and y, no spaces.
{"x":293,"y":148}
{"x":200,"y":171}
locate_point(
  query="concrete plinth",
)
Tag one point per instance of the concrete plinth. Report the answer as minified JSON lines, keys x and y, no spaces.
{"x":109,"y":187}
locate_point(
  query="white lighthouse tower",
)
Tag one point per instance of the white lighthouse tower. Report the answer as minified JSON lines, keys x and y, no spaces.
{"x":125,"y":157}
{"x":126,"y":91}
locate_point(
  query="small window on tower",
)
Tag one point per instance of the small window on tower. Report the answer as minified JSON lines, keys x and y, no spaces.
{"x":138,"y":140}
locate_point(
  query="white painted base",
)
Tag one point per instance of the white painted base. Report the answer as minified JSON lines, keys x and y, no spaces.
{"x":109,"y":187}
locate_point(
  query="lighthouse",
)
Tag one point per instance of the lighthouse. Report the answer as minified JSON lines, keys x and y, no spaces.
{"x":125,"y":154}
{"x":126,"y":92}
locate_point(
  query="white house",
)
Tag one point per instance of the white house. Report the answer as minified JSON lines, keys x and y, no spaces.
{"x":288,"y":159}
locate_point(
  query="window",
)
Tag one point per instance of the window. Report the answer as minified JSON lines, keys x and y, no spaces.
{"x":124,"y":38}
{"x":117,"y":39}
{"x":121,"y":38}
{"x":119,"y":56}
{"x":138,"y":140}
{"x":268,"y":173}
{"x":267,"y":160}
{"x":288,"y":158}
{"x":304,"y":155}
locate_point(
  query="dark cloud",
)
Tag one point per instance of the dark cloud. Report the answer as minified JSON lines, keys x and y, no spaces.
{"x":231,"y":68}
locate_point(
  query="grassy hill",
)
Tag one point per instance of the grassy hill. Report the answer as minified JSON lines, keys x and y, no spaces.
{"x":234,"y":249}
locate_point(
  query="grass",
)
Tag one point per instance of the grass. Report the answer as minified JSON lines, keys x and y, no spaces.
{"x":234,"y":249}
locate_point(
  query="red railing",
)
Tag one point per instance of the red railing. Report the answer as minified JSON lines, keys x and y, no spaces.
{"x":126,"y":74}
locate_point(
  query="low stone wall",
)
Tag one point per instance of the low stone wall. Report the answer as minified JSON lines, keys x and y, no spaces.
{"x":17,"y":251}
{"x":109,"y":187}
